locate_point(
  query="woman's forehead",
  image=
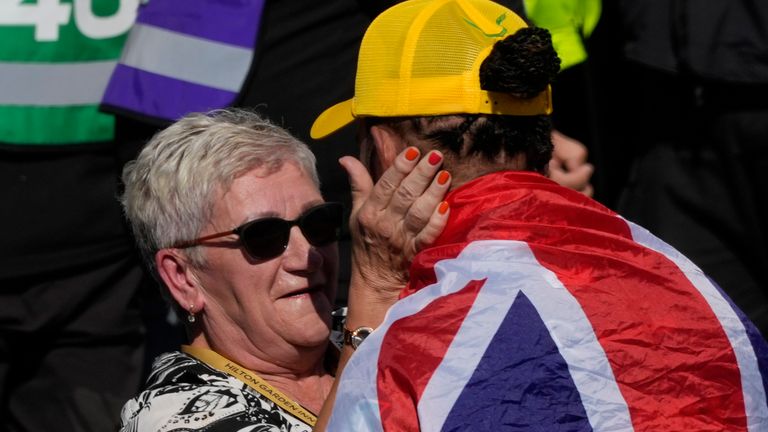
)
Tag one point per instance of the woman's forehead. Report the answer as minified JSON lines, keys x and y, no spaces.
{"x":259,"y":193}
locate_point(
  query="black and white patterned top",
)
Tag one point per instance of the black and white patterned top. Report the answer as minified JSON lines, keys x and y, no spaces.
{"x":183,"y":394}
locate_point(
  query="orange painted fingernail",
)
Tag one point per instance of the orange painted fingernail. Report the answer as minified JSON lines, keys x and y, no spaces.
{"x":443,"y":208}
{"x":411,"y":153}
{"x":435,"y":158}
{"x":443,"y":177}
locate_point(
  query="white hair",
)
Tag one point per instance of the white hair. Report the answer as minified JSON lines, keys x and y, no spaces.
{"x":171,"y":187}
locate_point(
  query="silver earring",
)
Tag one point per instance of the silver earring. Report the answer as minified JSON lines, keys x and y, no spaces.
{"x":191,"y":316}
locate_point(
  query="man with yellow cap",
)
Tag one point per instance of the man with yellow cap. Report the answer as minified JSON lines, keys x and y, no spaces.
{"x":537,"y":308}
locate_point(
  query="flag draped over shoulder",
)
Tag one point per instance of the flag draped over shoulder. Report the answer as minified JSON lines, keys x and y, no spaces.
{"x":539,"y":309}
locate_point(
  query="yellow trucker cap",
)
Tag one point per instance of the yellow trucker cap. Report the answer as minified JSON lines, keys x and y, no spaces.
{"x":423,"y":58}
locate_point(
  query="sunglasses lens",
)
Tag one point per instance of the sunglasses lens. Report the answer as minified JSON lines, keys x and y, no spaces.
{"x":322,"y":224}
{"x":266,"y":238}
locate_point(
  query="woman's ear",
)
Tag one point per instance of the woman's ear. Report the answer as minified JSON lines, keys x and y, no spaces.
{"x":176,"y":272}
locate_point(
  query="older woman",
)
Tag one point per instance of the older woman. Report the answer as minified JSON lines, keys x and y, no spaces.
{"x":227,"y":210}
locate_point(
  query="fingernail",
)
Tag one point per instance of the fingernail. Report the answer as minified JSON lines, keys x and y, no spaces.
{"x":411,"y":153}
{"x":443,"y":208}
{"x":443,"y":177}
{"x":435,"y":158}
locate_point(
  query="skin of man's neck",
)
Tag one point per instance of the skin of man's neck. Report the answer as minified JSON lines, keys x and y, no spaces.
{"x":388,"y":143}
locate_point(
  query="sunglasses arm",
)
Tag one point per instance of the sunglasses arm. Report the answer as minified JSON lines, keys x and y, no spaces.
{"x":203,"y":239}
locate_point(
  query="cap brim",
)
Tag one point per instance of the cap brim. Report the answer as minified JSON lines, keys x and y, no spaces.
{"x":332,"y":119}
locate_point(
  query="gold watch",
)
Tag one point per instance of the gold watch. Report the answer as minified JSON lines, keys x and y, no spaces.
{"x":355,"y":337}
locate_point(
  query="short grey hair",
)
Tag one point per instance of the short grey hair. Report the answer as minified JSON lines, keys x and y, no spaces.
{"x":171,"y":187}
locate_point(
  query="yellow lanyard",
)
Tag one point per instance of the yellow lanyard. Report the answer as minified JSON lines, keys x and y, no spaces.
{"x":252,"y":380}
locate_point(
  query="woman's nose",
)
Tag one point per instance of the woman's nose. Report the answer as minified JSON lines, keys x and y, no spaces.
{"x":300,"y":255}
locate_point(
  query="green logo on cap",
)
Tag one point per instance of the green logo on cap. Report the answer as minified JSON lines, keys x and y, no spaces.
{"x":499,"y":20}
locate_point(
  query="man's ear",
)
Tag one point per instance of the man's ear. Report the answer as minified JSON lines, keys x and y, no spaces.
{"x":388,"y":145}
{"x":176,"y":273}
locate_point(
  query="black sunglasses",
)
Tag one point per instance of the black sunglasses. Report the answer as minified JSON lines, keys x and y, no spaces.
{"x":268,"y":238}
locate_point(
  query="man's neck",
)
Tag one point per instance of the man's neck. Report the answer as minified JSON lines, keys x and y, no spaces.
{"x":466,"y":168}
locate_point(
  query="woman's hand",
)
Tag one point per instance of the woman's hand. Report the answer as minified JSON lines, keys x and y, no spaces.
{"x":396,"y":218}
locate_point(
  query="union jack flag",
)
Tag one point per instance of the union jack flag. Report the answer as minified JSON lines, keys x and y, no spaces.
{"x":538,"y":309}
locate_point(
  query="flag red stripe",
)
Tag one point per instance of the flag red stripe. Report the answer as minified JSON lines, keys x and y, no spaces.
{"x":411,"y":351}
{"x":671,"y":358}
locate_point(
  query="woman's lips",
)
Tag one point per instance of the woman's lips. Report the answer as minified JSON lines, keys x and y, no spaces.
{"x":302,"y":291}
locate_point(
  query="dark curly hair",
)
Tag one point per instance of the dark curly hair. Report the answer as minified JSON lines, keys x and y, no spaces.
{"x":522,"y":65}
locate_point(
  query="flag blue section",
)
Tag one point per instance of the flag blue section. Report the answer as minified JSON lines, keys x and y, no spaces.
{"x":522,"y":382}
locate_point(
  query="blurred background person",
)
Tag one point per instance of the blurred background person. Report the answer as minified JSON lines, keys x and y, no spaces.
{"x":576,"y":134}
{"x":684,"y":99}
{"x":72,"y":342}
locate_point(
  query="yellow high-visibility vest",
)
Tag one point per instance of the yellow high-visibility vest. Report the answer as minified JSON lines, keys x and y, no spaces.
{"x":569,"y":21}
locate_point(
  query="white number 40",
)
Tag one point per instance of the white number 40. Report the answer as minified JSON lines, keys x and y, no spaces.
{"x":48,"y":15}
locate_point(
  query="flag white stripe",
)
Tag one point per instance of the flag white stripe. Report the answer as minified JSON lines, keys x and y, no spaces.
{"x":508,"y":268}
{"x":751,"y":379}
{"x":356,"y":405}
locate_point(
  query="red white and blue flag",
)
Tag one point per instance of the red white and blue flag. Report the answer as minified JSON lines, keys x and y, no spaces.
{"x":538,"y":309}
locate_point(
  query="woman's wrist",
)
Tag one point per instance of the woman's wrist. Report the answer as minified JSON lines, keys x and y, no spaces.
{"x":367,"y":305}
